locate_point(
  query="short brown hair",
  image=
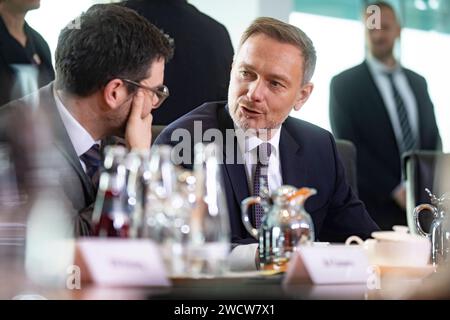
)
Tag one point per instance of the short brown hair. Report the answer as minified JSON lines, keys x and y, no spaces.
{"x":285,"y":33}
{"x":111,"y":42}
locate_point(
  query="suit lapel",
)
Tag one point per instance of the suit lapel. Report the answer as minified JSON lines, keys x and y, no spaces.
{"x":293,"y":169}
{"x":379,"y":107}
{"x":378,"y":110}
{"x":62,"y":140}
{"x":234,"y":169}
{"x":422,"y":113}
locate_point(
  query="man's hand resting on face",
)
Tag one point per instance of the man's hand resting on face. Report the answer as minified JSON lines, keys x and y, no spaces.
{"x":138,"y":133}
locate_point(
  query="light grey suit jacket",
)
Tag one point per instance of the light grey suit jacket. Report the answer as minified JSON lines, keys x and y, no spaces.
{"x":32,"y":125}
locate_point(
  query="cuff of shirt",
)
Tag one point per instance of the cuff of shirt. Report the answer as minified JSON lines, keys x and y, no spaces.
{"x":242,"y":257}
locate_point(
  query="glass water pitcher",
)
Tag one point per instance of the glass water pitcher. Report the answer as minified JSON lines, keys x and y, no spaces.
{"x":440,"y":226}
{"x":284,"y":226}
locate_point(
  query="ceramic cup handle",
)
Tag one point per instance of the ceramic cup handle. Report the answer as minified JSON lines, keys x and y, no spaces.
{"x":352,"y":239}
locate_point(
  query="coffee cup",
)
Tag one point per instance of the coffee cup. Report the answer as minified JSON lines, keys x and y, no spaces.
{"x":395,"y":248}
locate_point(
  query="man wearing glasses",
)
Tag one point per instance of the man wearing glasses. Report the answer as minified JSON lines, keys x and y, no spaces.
{"x":109,"y":78}
{"x":159,"y":93}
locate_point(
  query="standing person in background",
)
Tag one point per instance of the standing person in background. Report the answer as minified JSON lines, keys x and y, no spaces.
{"x":200,"y":68}
{"x":25,"y":59}
{"x":385,"y":110}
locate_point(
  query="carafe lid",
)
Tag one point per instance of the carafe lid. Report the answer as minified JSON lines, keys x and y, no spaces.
{"x":281,"y":194}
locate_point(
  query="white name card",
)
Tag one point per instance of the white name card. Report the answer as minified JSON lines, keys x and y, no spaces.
{"x":121,"y":262}
{"x":333,"y":264}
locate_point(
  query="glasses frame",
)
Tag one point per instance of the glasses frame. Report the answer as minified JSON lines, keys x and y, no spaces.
{"x":161,"y":92}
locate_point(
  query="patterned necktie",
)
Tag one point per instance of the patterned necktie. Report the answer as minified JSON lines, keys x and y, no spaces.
{"x":260,"y":179}
{"x":92,"y":160}
{"x":409,"y":141}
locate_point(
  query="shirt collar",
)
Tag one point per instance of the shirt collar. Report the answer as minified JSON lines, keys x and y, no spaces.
{"x":378,"y":67}
{"x":81,"y":140}
{"x":249,"y":143}
{"x":4,"y":30}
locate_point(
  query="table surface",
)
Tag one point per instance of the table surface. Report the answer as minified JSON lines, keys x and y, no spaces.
{"x":394,"y":283}
{"x":17,"y":286}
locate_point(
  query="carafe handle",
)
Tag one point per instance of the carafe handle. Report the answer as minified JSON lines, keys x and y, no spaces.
{"x":245,"y":204}
{"x":416,"y":214}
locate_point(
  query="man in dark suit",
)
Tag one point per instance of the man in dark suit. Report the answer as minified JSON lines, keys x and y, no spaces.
{"x":109,"y":78}
{"x":271,"y":76}
{"x":385,"y":110}
{"x":200,"y":68}
{"x":25,"y":59}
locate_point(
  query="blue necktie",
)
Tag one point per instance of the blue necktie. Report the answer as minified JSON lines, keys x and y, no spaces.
{"x":260,"y":179}
{"x":409,"y":141}
{"x":92,"y":160}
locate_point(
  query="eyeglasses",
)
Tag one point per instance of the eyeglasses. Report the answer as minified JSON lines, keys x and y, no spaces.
{"x":161,"y":92}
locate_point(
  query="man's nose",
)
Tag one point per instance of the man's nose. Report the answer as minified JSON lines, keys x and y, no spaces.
{"x":256,"y":90}
{"x":376,"y":34}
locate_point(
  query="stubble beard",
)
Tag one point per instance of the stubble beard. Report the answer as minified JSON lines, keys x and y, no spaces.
{"x":244,"y":125}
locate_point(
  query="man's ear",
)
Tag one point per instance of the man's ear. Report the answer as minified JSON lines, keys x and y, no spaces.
{"x":303,"y":95}
{"x":115,"y":93}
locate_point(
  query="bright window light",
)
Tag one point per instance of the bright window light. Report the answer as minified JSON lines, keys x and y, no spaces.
{"x":427,"y":53}
{"x":339,"y":45}
{"x":54,"y":15}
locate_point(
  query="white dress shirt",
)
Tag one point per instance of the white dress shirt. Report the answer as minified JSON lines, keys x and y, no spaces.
{"x":80,"y":138}
{"x":248,"y":146}
{"x":242,"y":257}
{"x":378,"y":71}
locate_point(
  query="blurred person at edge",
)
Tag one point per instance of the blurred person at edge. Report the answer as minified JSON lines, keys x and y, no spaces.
{"x":25,"y":59}
{"x":109,"y":78}
{"x":385,"y":110}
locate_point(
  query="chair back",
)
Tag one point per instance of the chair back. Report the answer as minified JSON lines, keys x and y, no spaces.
{"x":424,"y":169}
{"x":347,"y":152}
{"x":156,"y":130}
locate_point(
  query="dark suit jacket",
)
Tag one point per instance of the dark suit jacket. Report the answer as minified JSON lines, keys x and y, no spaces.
{"x":358,"y":114}
{"x":15,"y":128}
{"x":11,"y":53}
{"x":308,"y":157}
{"x":200,"y":68}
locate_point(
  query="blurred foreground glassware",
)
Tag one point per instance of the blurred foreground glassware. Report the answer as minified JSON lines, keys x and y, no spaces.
{"x":36,"y":221}
{"x":13,"y":220}
{"x":12,"y":203}
{"x":135,"y":164}
{"x":209,"y":241}
{"x":160,"y":180}
{"x":440,"y":227}
{"x":111,"y":216}
{"x":50,"y":247}
{"x":10,"y":193}
{"x":168,"y":204}
{"x":50,"y":244}
{"x":284,"y":225}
